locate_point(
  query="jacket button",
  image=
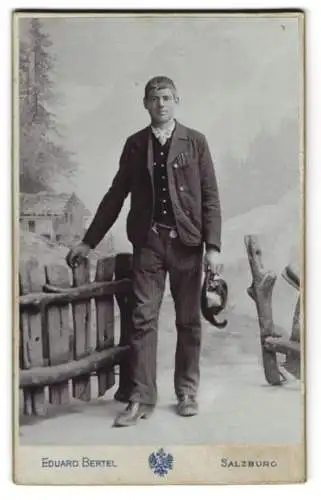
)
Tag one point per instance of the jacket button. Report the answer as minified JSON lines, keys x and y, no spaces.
{"x":175,"y":165}
{"x":181,"y":188}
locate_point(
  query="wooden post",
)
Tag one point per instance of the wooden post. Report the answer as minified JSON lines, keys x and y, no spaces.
{"x":261,"y":292}
{"x":296,"y":327}
{"x":293,"y":359}
{"x":293,"y":356}
{"x":123,"y":269}
{"x":105,"y":326}
{"x":24,"y":395}
{"x":59,"y":332}
{"x":32,"y":279}
{"x":81,"y":313}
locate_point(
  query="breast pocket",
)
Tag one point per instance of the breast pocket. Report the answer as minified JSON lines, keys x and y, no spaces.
{"x":186,"y":176}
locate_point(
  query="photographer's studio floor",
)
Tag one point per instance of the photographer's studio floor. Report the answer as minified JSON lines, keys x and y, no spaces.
{"x":237,"y":406}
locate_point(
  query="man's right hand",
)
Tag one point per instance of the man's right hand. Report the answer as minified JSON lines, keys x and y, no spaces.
{"x":77,"y":253}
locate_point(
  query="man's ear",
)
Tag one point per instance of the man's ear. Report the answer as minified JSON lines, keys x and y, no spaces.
{"x":176,"y":99}
{"x":145,"y":103}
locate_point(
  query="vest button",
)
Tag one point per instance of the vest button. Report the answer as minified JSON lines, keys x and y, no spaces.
{"x":181,"y":188}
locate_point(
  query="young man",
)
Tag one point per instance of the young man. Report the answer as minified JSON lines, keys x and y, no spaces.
{"x":175,"y":210}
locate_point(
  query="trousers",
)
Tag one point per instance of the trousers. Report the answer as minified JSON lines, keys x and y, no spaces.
{"x":165,"y":254}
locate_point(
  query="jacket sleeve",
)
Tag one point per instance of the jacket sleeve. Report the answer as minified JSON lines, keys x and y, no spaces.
{"x":211,"y":208}
{"x":111,"y":204}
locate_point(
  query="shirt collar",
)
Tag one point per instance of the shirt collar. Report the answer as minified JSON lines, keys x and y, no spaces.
{"x":163,"y":134}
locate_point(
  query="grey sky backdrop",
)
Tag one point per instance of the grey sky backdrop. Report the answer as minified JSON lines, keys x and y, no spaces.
{"x":237,"y":78}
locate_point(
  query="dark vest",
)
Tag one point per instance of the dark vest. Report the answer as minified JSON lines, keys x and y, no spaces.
{"x":163,"y":210}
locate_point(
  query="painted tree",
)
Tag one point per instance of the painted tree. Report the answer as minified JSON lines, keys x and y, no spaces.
{"x":43,"y":155}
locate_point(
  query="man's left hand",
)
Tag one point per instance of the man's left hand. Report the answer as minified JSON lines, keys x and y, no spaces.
{"x":213,"y":260}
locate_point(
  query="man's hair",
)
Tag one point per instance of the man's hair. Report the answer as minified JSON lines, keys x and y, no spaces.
{"x":160,"y":82}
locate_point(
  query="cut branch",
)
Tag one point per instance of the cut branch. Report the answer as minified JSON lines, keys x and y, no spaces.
{"x":46,"y":375}
{"x":83,"y":292}
{"x":290,"y":275}
{"x":282,"y":345}
{"x":261,"y":292}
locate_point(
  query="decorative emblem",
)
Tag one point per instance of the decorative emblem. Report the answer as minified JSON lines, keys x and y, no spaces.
{"x":160,"y":462}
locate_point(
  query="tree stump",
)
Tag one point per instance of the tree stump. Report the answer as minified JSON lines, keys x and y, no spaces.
{"x":261,"y":291}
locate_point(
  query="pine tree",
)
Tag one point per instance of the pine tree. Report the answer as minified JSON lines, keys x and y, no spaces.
{"x":42,"y":153}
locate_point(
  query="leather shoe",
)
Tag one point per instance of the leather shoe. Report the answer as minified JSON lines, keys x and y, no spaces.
{"x":187,"y":406}
{"x":133,"y":412}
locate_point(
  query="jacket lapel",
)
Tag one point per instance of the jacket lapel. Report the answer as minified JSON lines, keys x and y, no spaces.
{"x":178,"y":143}
{"x":143,"y":142}
{"x":150,"y":156}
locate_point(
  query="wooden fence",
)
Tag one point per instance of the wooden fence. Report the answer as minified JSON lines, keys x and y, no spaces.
{"x":67,"y":329}
{"x":67,"y":332}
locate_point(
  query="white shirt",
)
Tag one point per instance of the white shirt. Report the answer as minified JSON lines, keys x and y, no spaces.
{"x":162,"y":135}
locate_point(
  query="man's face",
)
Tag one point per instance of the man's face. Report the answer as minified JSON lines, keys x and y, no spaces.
{"x":161,"y":105}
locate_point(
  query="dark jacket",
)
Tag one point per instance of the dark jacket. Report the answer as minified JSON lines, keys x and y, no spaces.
{"x":192,"y":188}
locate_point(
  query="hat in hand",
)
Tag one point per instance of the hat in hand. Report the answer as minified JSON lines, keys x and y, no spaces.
{"x":214,"y":297}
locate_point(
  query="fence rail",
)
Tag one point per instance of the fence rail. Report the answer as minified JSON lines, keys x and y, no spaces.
{"x":67,"y":331}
